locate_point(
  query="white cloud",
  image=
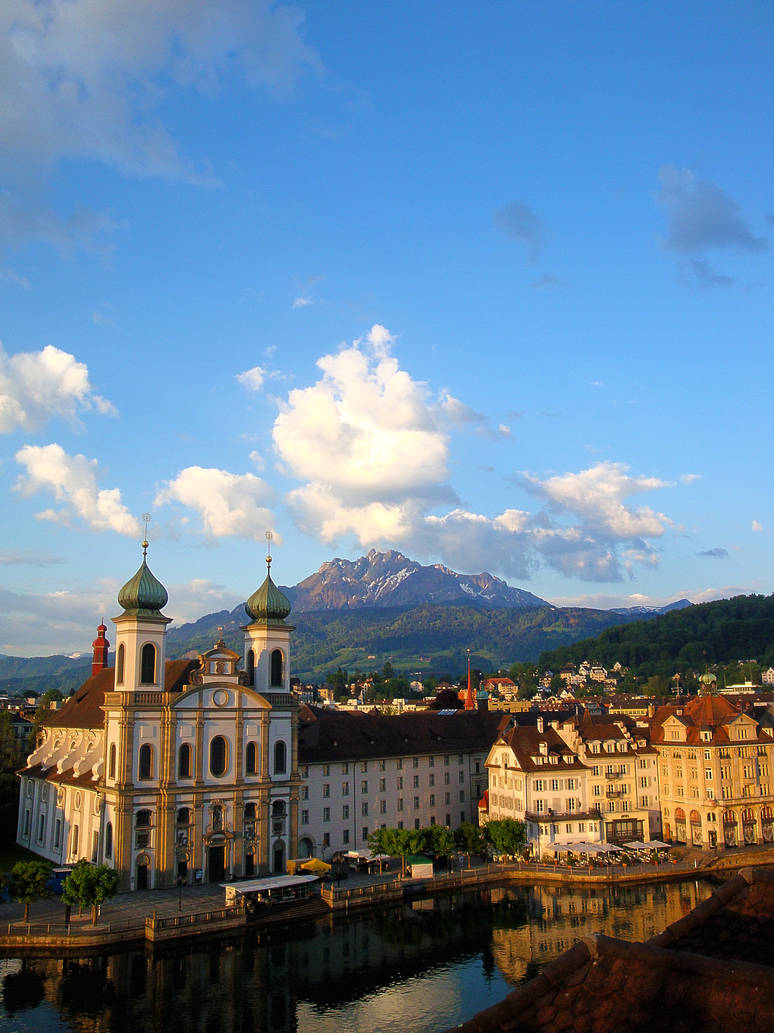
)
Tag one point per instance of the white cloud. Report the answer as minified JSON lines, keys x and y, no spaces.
{"x":72,"y":479}
{"x":302,"y":301}
{"x":253,"y":378}
{"x":228,"y":504}
{"x":187,"y":602}
{"x":369,"y":446}
{"x":597,"y":496}
{"x":36,"y":386}
{"x":84,"y":79}
{"x":702,"y":215}
{"x":757,"y":525}
{"x":689,"y":478}
{"x":364,"y":430}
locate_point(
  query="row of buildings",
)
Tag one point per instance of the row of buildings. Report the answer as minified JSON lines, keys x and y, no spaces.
{"x":211,"y":768}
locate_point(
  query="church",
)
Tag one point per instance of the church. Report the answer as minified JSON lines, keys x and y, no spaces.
{"x":171,"y":772}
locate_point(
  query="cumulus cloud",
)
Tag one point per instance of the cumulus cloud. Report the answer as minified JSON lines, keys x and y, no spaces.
{"x":757,"y":525}
{"x":36,"y":386}
{"x":228,"y":504}
{"x":518,"y":221}
{"x":73,"y":481}
{"x":83,"y":229}
{"x":85,"y":80}
{"x":252,"y":379}
{"x":689,"y":478}
{"x":369,"y":445}
{"x":302,"y":301}
{"x":702,"y":215}
{"x":718,"y":553}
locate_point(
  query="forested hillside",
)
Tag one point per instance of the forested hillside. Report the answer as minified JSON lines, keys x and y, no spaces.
{"x":721,"y":632}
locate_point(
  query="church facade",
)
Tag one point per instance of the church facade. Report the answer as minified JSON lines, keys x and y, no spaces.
{"x":172,"y":772}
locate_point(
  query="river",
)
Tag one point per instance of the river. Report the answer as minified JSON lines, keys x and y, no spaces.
{"x":422,"y":967}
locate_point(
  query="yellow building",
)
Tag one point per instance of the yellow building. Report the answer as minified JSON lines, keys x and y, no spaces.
{"x":715,"y":767}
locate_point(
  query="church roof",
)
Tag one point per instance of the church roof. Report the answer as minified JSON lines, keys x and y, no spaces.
{"x":84,"y":708}
{"x":267,"y":603}
{"x":143,"y":595}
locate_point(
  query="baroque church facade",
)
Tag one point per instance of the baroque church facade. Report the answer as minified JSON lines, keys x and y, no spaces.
{"x":171,"y":771}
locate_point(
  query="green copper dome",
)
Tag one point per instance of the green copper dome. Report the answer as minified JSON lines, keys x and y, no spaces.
{"x":144,"y":595}
{"x":268,"y":603}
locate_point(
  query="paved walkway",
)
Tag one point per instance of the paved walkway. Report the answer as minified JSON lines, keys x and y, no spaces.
{"x":133,"y":908}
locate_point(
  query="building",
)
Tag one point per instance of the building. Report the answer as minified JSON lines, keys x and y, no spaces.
{"x":715,"y":764}
{"x":365,"y":770}
{"x":168,"y":771}
{"x":535,"y":777}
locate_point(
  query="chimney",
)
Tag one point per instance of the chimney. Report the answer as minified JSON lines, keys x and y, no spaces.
{"x":100,"y":646}
{"x":540,"y":725}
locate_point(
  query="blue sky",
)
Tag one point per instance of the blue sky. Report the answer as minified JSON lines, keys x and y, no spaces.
{"x":486,"y":283}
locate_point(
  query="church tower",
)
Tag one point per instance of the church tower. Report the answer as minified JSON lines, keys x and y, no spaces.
{"x":141,"y":631}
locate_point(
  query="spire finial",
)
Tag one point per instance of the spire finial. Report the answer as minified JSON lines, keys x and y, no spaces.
{"x":268,"y":536}
{"x":146,"y":517}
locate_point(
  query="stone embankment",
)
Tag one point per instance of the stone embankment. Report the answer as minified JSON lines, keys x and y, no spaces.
{"x":162,"y":916}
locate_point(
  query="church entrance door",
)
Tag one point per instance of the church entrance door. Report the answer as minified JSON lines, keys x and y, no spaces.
{"x":216,"y":863}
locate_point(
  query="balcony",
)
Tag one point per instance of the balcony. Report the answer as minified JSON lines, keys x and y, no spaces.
{"x":614,"y":793}
{"x":592,"y":814}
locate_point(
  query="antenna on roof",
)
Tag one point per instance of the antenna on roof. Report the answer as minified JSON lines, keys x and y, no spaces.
{"x":268,"y":536}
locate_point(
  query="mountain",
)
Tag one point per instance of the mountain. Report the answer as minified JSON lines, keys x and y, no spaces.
{"x":652,"y":611}
{"x":387,"y":579}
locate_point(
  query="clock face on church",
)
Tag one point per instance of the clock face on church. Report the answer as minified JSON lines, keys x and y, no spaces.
{"x":220,"y":697}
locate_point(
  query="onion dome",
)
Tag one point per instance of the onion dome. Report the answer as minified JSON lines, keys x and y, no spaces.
{"x":268,"y":603}
{"x":144,"y":595}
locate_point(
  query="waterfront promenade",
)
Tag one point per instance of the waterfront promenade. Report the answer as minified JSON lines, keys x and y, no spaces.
{"x":140,"y":916}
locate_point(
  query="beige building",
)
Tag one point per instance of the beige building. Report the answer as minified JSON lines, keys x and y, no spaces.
{"x":171,"y":770}
{"x":715,"y":765}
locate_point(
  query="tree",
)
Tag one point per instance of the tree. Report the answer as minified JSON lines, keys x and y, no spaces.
{"x":29,"y":881}
{"x":392,"y":842}
{"x":440,"y":839}
{"x":507,"y":837}
{"x":469,"y":839}
{"x":90,"y":885}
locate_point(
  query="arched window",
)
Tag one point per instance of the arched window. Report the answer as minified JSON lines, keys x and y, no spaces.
{"x":143,"y":819}
{"x":145,"y":767}
{"x":280,"y":758}
{"x":120,"y":665}
{"x":251,"y":758}
{"x":184,"y":761}
{"x":276,"y":667}
{"x":148,"y":664}
{"x":74,"y":850}
{"x":278,"y":809}
{"x":112,"y":761}
{"x":183,"y":816}
{"x":249,"y":812}
{"x":218,"y":756}
{"x":109,"y":839}
{"x":250,"y":667}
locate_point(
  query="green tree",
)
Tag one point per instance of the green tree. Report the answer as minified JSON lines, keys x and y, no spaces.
{"x":29,"y":882}
{"x":440,"y":839}
{"x":507,"y":837}
{"x":11,"y":759}
{"x":470,"y":839}
{"x":392,"y":842}
{"x":90,"y":885}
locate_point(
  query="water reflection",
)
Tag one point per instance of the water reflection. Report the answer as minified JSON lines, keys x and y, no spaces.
{"x":426,"y":966}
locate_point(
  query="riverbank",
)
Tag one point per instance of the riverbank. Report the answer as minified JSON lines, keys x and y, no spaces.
{"x":156,"y":916}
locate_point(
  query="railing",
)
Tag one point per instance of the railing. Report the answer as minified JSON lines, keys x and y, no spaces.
{"x":202,"y":918}
{"x":80,"y":930}
{"x":148,"y":699}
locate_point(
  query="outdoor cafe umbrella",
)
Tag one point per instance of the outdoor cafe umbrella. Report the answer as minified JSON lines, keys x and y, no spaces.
{"x":315,"y":865}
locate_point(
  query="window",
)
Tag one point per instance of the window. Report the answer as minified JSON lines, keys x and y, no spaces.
{"x":415,"y":762}
{"x":345,"y":812}
{"x":432,"y":799}
{"x":382,"y":806}
{"x":382,"y":765}
{"x":217,"y":818}
{"x":120,"y":665}
{"x":112,"y":761}
{"x":74,"y":845}
{"x":251,"y":758}
{"x":399,"y":763}
{"x":304,"y":817}
{"x":446,"y":778}
{"x":554,"y":784}
{"x":382,"y":785}
{"x":446,"y":760}
{"x":400,"y":782}
{"x":344,"y":768}
{"x":58,"y":832}
{"x":364,"y":786}
{"x":364,"y":765}
{"x":345,"y":836}
{"x":183,"y":816}
{"x":276,"y":668}
{"x":400,"y":803}
{"x":145,"y":766}
{"x":148,"y":664}
{"x":462,"y":775}
{"x":364,"y":832}
{"x":364,"y":810}
{"x":108,"y":840}
{"x":432,"y":780}
{"x":218,"y":756}
{"x":462,"y":796}
{"x":280,"y":757}
{"x":250,"y":667}
{"x":326,"y":839}
{"x":416,"y":781}
{"x":42,"y":828}
{"x":416,"y":803}
{"x":184,"y":761}
{"x":538,"y":785}
{"x":326,"y":770}
{"x":448,"y":800}
{"x":304,"y":792}
{"x":326,"y":790}
{"x":326,"y":814}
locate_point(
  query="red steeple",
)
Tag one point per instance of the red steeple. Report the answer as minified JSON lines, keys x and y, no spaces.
{"x":470,"y":703}
{"x":100,"y":646}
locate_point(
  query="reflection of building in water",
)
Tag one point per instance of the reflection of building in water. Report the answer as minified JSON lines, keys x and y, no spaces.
{"x":559,"y":917}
